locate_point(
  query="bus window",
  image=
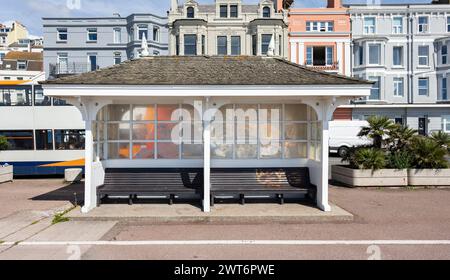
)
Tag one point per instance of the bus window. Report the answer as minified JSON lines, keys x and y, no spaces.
{"x":19,"y":140}
{"x":40,"y":99}
{"x":69,"y":139}
{"x":44,"y":139}
{"x":60,"y":102}
{"x":15,"y":96}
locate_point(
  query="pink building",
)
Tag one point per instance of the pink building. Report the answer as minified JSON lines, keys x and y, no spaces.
{"x":321,"y":37}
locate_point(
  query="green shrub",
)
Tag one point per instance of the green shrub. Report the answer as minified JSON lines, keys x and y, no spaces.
{"x":400,"y":138}
{"x":3,"y":143}
{"x":443,"y":139}
{"x":378,"y":129}
{"x":427,"y":153}
{"x":366,"y":158}
{"x":400,"y":160}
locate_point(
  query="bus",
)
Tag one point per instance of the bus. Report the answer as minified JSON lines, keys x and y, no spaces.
{"x":45,"y":135}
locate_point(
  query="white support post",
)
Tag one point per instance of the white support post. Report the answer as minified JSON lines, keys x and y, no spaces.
{"x":207,"y":161}
{"x":322,"y":190}
{"x":90,"y":192}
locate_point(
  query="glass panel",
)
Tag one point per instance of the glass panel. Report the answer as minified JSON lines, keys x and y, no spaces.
{"x":94,"y":130}
{"x":312,"y":150}
{"x":270,"y":151}
{"x":168,"y":131}
{"x":296,"y":112}
{"x":295,"y":131}
{"x":190,"y":44}
{"x":15,"y":96}
{"x":188,"y":112}
{"x":221,"y":151}
{"x":19,"y":139}
{"x":168,"y":113}
{"x":269,"y":112}
{"x":295,"y":149}
{"x":118,"y":131}
{"x":265,"y":43}
{"x":40,"y":99}
{"x":118,"y":150}
{"x":143,"y":131}
{"x":119,"y":112}
{"x":222,"y":48}
{"x":143,"y":150}
{"x":246,"y":151}
{"x":168,"y":150}
{"x":144,"y":113}
{"x":69,"y":139}
{"x":235,"y":45}
{"x":246,"y":132}
{"x":192,"y":151}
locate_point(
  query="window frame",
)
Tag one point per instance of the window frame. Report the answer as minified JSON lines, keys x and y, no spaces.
{"x":220,"y":47}
{"x":263,"y":44}
{"x":194,"y":45}
{"x":94,"y":32}
{"x":399,"y":53}
{"x":378,"y":45}
{"x":370,"y":29}
{"x":446,"y":123}
{"x":444,"y":56}
{"x":238,"y":40}
{"x":117,"y":35}
{"x":190,"y":12}
{"x":223,"y":13}
{"x":397,"y":81}
{"x":427,"y":56}
{"x":422,"y":88}
{"x":264,"y":12}
{"x":234,"y":14}
{"x":377,"y":80}
{"x":22,"y":65}
{"x":29,"y":138}
{"x":60,"y":31}
{"x":397,"y":28}
{"x":48,"y":145}
{"x":141,"y":30}
{"x":444,"y":89}
{"x":423,"y":28}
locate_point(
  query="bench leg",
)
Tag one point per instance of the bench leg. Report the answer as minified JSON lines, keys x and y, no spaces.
{"x":281,"y":197}
{"x":212,"y":200}
{"x":130,"y":200}
{"x":171,"y":199}
{"x":242,"y":199}
{"x":99,"y":200}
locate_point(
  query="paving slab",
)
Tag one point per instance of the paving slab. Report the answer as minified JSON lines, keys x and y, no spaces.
{"x":221,"y":213}
{"x":74,"y":231}
{"x":44,"y":253}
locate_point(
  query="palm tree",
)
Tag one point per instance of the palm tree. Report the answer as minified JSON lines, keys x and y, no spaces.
{"x":428,"y":153}
{"x":400,"y":137}
{"x":378,"y":129}
{"x":443,"y":139}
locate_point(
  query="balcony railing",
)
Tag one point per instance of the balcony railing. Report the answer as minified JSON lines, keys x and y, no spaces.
{"x":322,"y":66}
{"x":63,"y":69}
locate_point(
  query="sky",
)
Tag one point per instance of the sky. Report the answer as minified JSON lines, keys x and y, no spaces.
{"x":30,"y":12}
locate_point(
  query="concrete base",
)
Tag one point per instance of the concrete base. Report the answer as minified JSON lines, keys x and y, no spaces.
{"x":73,"y":175}
{"x":369,"y":178}
{"x":429,"y":177}
{"x":221,"y":214}
{"x":6,"y":174}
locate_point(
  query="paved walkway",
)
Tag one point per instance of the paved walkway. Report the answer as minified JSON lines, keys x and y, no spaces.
{"x":388,"y":224}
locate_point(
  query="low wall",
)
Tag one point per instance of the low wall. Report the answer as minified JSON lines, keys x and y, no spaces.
{"x":369,"y":178}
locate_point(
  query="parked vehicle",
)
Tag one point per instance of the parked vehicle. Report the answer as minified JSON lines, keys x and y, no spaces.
{"x":344,"y":135}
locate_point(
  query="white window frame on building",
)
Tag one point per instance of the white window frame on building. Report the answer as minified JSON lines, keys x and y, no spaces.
{"x":444,"y":54}
{"x":194,"y":45}
{"x":397,"y":51}
{"x":444,"y":89}
{"x":319,"y":26}
{"x":222,"y":49}
{"x":397,"y":28}
{"x":446,"y":123}
{"x":423,"y":90}
{"x":142,"y":29}
{"x":399,"y":86}
{"x":448,"y":24}
{"x":156,"y":33}
{"x":371,"y":61}
{"x":90,"y":61}
{"x":266,"y":9}
{"x":117,"y":58}
{"x":60,"y":32}
{"x":235,"y":48}
{"x":377,"y":80}
{"x":92,"y":32}
{"x":263,"y":43}
{"x":423,"y":27}
{"x":117,"y":35}
{"x":328,"y":57}
{"x":370,"y":29}
{"x":22,"y":65}
{"x":422,"y":57}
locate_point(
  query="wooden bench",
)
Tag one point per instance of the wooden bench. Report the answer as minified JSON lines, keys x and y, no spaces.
{"x":244,"y":182}
{"x":132,"y":183}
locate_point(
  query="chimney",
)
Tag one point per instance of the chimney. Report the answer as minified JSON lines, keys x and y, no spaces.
{"x":334,"y":4}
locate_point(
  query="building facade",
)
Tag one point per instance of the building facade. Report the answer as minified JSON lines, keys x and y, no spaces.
{"x":228,"y":27}
{"x":403,"y":48}
{"x":78,"y":45}
{"x":22,"y":66}
{"x":321,"y":37}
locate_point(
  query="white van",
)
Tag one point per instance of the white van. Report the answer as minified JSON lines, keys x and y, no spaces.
{"x":344,"y":135}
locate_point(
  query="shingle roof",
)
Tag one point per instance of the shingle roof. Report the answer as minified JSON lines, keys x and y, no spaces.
{"x":207,"y":70}
{"x":37,"y":56}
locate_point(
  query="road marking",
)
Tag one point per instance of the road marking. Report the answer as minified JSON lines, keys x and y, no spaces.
{"x":229,"y":242}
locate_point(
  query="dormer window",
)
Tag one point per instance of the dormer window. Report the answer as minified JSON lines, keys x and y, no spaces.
{"x":190,"y":13}
{"x":266,"y":12}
